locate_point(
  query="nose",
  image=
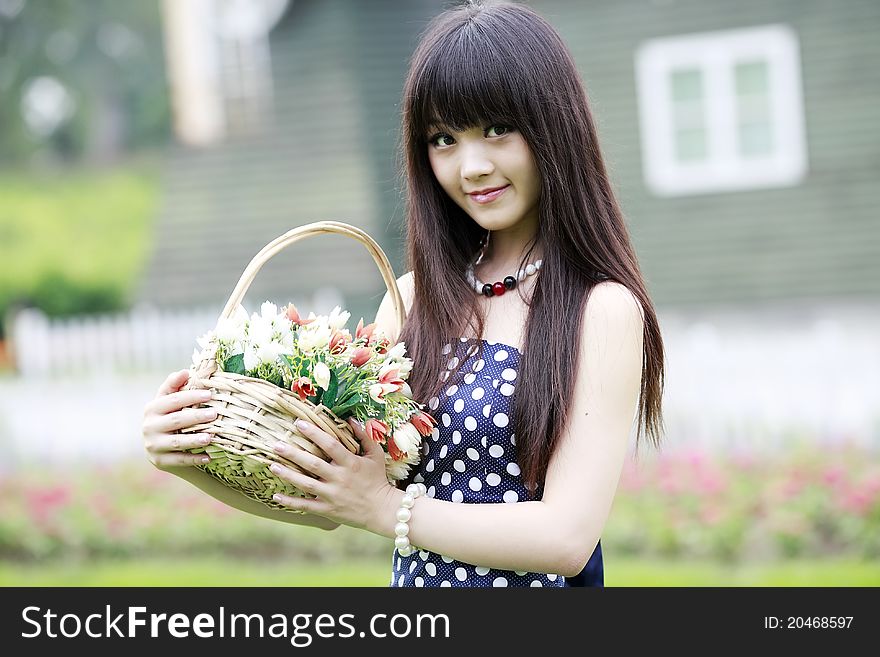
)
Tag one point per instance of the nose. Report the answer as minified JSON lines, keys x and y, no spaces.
{"x":475,"y":163}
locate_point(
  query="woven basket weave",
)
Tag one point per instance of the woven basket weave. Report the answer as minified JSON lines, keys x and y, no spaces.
{"x":252,"y":414}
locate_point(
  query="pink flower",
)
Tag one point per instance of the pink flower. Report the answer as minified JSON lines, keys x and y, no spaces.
{"x":394,"y":451}
{"x":379,"y":390}
{"x":380,"y":344}
{"x":361,"y":356}
{"x":423,"y":422}
{"x":364,"y":331}
{"x":390,"y":375}
{"x":293,"y":315}
{"x":376,"y":430}
{"x":303,"y":387}
{"x":339,"y":341}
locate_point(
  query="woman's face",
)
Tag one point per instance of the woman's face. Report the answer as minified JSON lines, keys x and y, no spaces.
{"x":486,"y":158}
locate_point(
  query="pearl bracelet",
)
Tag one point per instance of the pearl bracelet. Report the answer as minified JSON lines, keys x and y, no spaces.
{"x":404,"y":513}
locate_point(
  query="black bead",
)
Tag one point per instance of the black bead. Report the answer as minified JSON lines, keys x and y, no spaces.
{"x":509,"y":282}
{"x":487,"y":290}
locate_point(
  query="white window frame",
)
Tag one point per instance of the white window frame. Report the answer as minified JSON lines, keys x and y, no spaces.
{"x":716,"y":54}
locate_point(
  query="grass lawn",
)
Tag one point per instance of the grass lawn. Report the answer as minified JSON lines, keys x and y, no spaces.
{"x":618,"y":572}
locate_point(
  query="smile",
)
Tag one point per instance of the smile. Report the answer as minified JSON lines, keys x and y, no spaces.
{"x":482,"y":199}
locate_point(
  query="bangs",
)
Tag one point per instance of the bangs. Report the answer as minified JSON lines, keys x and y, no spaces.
{"x":468,"y":82}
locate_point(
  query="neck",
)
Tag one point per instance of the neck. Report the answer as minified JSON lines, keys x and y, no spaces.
{"x":505,"y":252}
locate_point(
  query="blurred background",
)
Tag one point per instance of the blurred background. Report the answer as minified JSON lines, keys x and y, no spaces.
{"x":149,"y":149}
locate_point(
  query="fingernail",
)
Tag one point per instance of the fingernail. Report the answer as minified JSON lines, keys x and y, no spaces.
{"x":205,"y":459}
{"x":275,"y":468}
{"x":205,"y":440}
{"x":302,"y":425}
{"x":205,"y":394}
{"x":207,"y":415}
{"x":279,"y":446}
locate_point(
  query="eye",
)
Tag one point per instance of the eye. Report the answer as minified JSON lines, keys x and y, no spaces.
{"x":440,"y":135}
{"x":499,"y":128}
{"x":505,"y":129}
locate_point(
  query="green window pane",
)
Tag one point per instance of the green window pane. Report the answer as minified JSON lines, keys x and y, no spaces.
{"x":690,"y":145}
{"x":754,"y":121}
{"x":687,"y":85}
{"x":752,"y":78}
{"x":688,"y":114}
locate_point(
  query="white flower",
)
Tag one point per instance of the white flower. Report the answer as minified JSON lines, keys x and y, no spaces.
{"x":269,"y":310}
{"x":260,"y":329}
{"x":268,"y":352}
{"x":406,"y":390}
{"x":320,"y":321}
{"x":321,"y":374}
{"x":379,"y":390}
{"x":206,"y":339}
{"x":407,"y":438}
{"x":338,"y":318}
{"x":314,"y":336}
{"x":386,"y":368}
{"x":233,"y":328}
{"x":405,"y":367}
{"x":251,"y":358}
{"x":396,"y":352}
{"x":397,"y":470}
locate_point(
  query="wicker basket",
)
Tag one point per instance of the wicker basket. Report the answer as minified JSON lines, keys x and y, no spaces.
{"x":252,"y":414}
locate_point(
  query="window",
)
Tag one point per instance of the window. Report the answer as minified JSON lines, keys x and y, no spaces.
{"x":721,"y":111}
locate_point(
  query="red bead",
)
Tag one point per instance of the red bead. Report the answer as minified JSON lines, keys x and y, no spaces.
{"x":499,"y":289}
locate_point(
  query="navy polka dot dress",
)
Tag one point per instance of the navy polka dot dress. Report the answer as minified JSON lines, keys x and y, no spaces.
{"x":470,"y":458}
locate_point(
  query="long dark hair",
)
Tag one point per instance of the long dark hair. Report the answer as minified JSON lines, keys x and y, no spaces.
{"x":487,"y":63}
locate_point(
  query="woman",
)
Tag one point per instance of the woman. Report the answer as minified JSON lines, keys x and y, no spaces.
{"x":525,"y":295}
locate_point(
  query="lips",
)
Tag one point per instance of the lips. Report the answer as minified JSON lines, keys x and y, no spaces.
{"x":488,"y":195}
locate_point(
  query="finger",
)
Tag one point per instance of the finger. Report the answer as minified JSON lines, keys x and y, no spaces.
{"x":357,"y":427}
{"x":329,"y":444}
{"x":304,"y":482}
{"x":369,"y":445}
{"x":175,"y":401}
{"x":178,"y":441}
{"x":299,"y":504}
{"x":174,"y":382}
{"x":182,"y":419}
{"x":177,"y":459}
{"x":304,"y":459}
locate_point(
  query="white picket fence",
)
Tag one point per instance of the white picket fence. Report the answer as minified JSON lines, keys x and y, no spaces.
{"x":144,"y":339}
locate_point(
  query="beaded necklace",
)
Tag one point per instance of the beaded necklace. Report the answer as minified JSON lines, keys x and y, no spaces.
{"x":498,"y":288}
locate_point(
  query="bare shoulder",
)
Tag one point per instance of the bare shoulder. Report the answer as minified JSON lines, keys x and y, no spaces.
{"x":613,"y":321}
{"x":613,"y":300}
{"x":385,"y":320}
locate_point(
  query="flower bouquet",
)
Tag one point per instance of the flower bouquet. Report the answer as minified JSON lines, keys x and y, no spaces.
{"x":273,"y":367}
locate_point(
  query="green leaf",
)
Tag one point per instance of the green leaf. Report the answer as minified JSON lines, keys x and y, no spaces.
{"x":234,"y":364}
{"x":329,"y":397}
{"x":347,"y":407}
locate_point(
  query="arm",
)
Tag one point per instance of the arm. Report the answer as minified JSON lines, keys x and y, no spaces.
{"x":559,"y":533}
{"x":208,"y":484}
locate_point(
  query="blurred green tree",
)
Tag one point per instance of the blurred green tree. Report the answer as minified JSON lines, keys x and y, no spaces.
{"x":80,"y":80}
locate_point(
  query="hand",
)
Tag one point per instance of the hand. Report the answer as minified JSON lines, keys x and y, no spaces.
{"x":166,"y":415}
{"x":350,"y":489}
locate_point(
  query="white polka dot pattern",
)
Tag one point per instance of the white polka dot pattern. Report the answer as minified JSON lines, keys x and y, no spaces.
{"x":475,"y":462}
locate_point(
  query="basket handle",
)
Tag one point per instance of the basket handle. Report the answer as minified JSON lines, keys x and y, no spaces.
{"x":318,"y":228}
